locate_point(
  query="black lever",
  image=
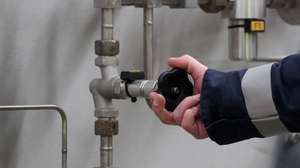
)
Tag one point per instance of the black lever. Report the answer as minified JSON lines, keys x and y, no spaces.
{"x":174,"y":85}
{"x":129,"y":77}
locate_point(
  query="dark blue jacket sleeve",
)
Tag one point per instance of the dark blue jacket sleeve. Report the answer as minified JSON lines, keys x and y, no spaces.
{"x":223,"y":107}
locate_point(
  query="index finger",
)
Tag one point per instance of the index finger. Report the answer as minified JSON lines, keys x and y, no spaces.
{"x":158,"y":106}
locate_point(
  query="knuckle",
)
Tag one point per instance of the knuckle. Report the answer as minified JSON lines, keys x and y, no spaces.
{"x":187,"y":99}
{"x":185,"y":125}
{"x":154,"y":109}
{"x":186,"y":56}
{"x":196,"y":136}
{"x":163,"y":121}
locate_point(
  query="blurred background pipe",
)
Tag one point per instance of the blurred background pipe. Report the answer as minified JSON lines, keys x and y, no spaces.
{"x":64,"y":149}
{"x":148,"y":42}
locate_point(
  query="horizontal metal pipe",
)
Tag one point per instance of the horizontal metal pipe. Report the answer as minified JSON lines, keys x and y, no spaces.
{"x":63,"y":116}
{"x":142,"y":88}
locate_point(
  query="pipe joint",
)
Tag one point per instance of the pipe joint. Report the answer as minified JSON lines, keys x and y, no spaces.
{"x":142,"y":88}
{"x":103,"y":105}
{"x":213,"y":6}
{"x":107,"y":47}
{"x":108,"y":4}
{"x":106,"y":127}
{"x":105,"y":61}
{"x":113,"y":88}
{"x":143,"y":3}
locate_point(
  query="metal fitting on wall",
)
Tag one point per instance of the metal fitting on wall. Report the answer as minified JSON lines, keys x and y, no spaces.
{"x":243,"y":44}
{"x":143,"y":3}
{"x":276,"y":4}
{"x":109,"y":4}
{"x":213,"y":6}
{"x":107,"y":47}
{"x":246,"y":9}
{"x":290,"y":13}
{"x":142,"y":88}
{"x":106,"y":127}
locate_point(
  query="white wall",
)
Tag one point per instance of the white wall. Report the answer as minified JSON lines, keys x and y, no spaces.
{"x":46,"y":56}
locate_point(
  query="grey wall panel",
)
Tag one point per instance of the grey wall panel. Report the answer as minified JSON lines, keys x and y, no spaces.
{"x":46,"y":56}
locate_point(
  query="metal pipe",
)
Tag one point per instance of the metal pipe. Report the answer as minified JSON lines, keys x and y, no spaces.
{"x":242,"y":45}
{"x":63,"y":116}
{"x":108,"y":71}
{"x":148,"y":45}
{"x":107,"y":28}
{"x":106,"y":149}
{"x":148,"y":42}
{"x":142,"y":88}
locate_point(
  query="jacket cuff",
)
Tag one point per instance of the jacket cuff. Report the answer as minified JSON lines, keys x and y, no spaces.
{"x":223,"y":108}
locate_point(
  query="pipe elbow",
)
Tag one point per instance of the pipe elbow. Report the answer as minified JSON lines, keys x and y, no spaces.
{"x":94,"y":85}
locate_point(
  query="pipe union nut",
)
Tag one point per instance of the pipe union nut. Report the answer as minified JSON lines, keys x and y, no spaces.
{"x":212,"y":6}
{"x":106,"y":127}
{"x":142,"y":3}
{"x":107,"y":47}
{"x":276,"y":4}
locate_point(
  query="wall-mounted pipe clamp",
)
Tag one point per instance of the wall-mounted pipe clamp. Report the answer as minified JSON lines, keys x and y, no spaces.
{"x":251,"y":25}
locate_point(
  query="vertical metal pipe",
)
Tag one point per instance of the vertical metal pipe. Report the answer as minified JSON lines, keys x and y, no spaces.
{"x":106,"y":151}
{"x":63,"y":116}
{"x":106,"y":142}
{"x":242,"y":45}
{"x":148,"y":42}
{"x":107,"y":28}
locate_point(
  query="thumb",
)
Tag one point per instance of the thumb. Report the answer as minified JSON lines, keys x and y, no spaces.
{"x":191,"y":66}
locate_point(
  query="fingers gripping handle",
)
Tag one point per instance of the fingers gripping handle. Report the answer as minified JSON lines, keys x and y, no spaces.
{"x":174,"y":85}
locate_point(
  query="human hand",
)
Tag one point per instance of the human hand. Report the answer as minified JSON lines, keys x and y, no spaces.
{"x":186,"y":113}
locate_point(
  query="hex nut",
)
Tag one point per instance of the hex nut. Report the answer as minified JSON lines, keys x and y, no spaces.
{"x":107,"y":47}
{"x":106,"y":127}
{"x":108,"y":4}
{"x":212,"y":6}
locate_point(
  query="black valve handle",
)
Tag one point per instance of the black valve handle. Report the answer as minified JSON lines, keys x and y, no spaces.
{"x":174,"y":85}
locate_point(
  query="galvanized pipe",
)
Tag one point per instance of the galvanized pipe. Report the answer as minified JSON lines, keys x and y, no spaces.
{"x":148,"y":42}
{"x":63,"y":116}
{"x":107,"y":28}
{"x":106,"y":149}
{"x":242,"y":45}
{"x":148,"y":45}
{"x":108,"y":71}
